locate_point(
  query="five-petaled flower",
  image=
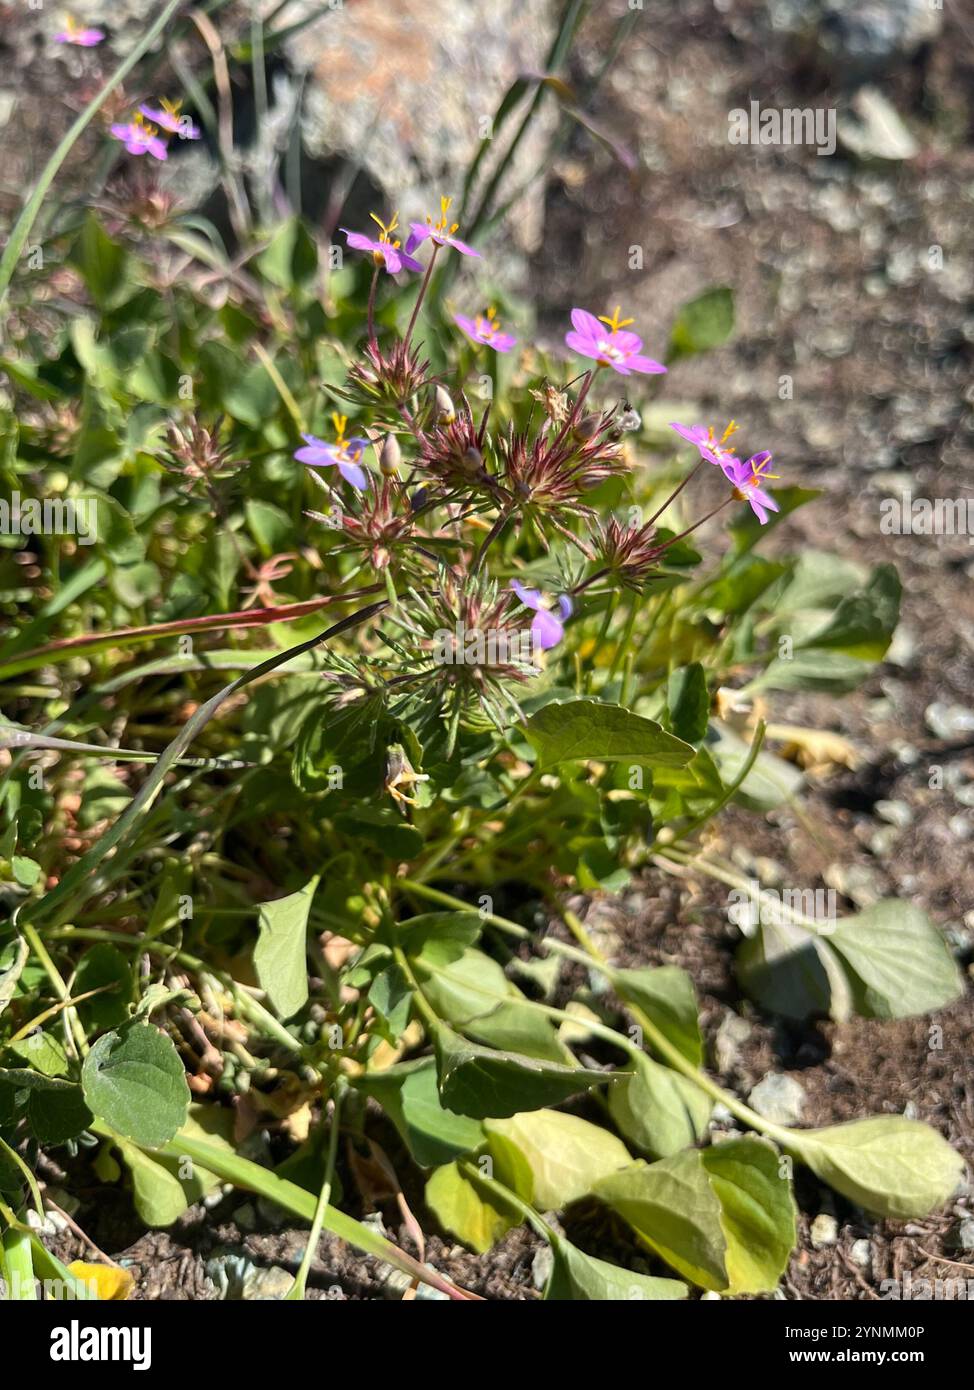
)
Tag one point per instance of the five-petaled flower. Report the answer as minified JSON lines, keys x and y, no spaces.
{"x":746,"y":478}
{"x":385,"y":252}
{"x":708,"y":446}
{"x":81,"y":37}
{"x":605,"y":339}
{"x":167,"y":116}
{"x":547,"y":629}
{"x":441,"y":232}
{"x":345,"y":454}
{"x":139,"y":137}
{"x":485,"y":328}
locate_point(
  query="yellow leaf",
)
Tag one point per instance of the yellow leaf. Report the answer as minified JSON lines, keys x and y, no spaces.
{"x":107,"y":1282}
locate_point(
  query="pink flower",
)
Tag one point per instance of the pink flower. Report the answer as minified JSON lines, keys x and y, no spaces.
{"x":708,"y":446}
{"x":139,"y":137}
{"x":344,"y":454}
{"x":486,"y":329}
{"x":82,"y":38}
{"x":441,"y":232}
{"x":384,"y":252}
{"x":746,"y":479}
{"x":546,"y":629}
{"x":167,"y":117}
{"x":609,"y":345}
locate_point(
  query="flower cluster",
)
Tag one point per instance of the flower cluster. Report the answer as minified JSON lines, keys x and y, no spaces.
{"x":449,"y":488}
{"x":141,"y":134}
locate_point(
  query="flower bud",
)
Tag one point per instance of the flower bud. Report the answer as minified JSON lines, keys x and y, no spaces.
{"x":446,"y":411}
{"x":390,"y":456}
{"x":587,"y":428}
{"x":473,"y":460}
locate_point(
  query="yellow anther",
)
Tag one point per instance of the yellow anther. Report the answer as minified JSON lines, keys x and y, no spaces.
{"x":171,"y":108}
{"x":386,"y":229}
{"x":615,"y":322}
{"x":339,"y":421}
{"x":731,"y":429}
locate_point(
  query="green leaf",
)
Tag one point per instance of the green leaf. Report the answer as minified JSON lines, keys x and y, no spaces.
{"x":16,"y":959}
{"x":409,"y":1096}
{"x":156,"y":1191}
{"x":672,"y":1207}
{"x":102,"y":263}
{"x":550,"y":1158}
{"x":134,"y":1081}
{"x":467,"y":1210}
{"x":724,"y":1217}
{"x":291,"y":257}
{"x":390,"y":994}
{"x":667,"y":994}
{"x":863,"y":624}
{"x":659,"y":1110}
{"x":587,"y":729}
{"x":281,"y":950}
{"x":580,"y":1278}
{"x":793,"y":972}
{"x":688,"y":702}
{"x":43,"y":1052}
{"x":465,"y":989}
{"x":485,"y":1084}
{"x":439,"y":938}
{"x":104,"y":967}
{"x":832,"y":672}
{"x":702,"y":323}
{"x":886,"y":1164}
{"x":757,"y":1211}
{"x":901,"y":964}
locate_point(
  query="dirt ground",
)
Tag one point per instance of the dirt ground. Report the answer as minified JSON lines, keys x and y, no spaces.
{"x":829,"y":259}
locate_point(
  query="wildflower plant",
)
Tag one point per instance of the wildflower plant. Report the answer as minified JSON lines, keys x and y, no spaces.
{"x":426,"y":670}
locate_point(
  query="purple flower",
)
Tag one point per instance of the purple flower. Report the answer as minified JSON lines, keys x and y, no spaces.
{"x":167,"y":117}
{"x":441,"y":232}
{"x":83,"y":38}
{"x":343,"y":454}
{"x":139,"y":137}
{"x":546,"y":629}
{"x":385,"y":251}
{"x":609,"y":345}
{"x":746,"y":479}
{"x":486,"y":329}
{"x":709,"y":447}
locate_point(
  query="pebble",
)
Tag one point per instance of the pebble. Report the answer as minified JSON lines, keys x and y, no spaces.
{"x":898,"y":813}
{"x":778,"y":1098}
{"x":964,"y":1234}
{"x":541,"y":1266}
{"x":861,"y":1254}
{"x":825,"y":1230}
{"x":949,"y":721}
{"x":733,"y":1032}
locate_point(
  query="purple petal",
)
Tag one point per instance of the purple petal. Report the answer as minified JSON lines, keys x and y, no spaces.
{"x":546,"y":629}
{"x":581,"y":344}
{"x":565,"y":606}
{"x":629,"y":342}
{"x":637,"y":363}
{"x":355,"y":475}
{"x":501,"y":342}
{"x":358,"y":241}
{"x":462,"y":247}
{"x":316,"y":456}
{"x":531,"y":598}
{"x":758,"y":460}
{"x":468,"y":325}
{"x":694,"y":434}
{"x":588,"y":325}
{"x":418,"y":232}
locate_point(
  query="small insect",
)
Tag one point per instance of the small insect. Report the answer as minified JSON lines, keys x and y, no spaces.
{"x":629,"y":418}
{"x":401,"y":773}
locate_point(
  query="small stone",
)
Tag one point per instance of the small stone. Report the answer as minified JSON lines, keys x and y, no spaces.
{"x":861,"y":1254}
{"x":541,"y":1266}
{"x":778,"y":1098}
{"x":910,"y":1111}
{"x":877,"y":130}
{"x":949,"y":721}
{"x":959,"y":827}
{"x":898,"y":813}
{"x":825,"y":1230}
{"x":882,"y":843}
{"x":246,"y":1217}
{"x":733,"y":1032}
{"x":857,"y":882}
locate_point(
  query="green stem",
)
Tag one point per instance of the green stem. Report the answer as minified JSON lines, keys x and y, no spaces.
{"x":20,"y":1265}
{"x":507,"y":1197}
{"x":324,"y":1197}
